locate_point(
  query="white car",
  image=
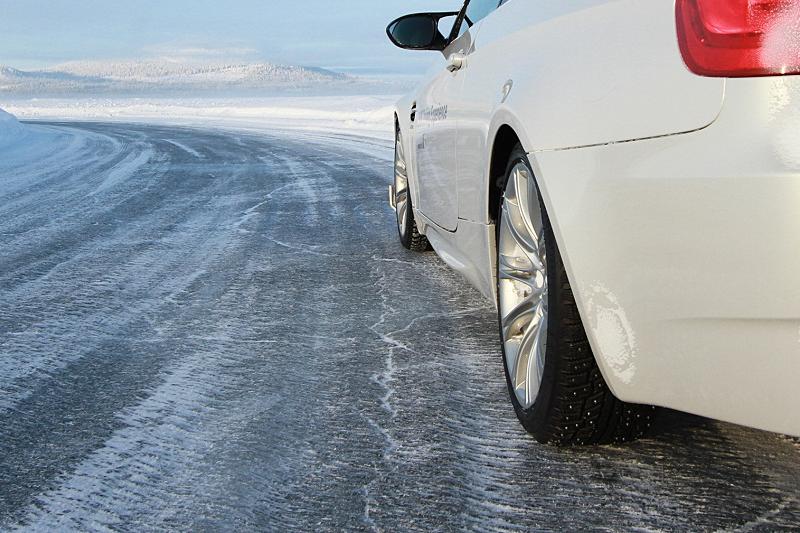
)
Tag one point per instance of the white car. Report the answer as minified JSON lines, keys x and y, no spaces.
{"x":622,"y":178}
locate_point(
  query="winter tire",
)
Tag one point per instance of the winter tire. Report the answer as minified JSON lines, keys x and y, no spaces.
{"x":554,"y":381}
{"x":407,"y":229}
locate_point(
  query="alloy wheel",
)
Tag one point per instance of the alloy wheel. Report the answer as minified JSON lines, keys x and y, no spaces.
{"x":401,"y":185}
{"x":522,"y":285}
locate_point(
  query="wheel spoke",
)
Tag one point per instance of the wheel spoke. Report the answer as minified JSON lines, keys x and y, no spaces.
{"x":526,"y":346}
{"x":400,"y":150}
{"x":528,"y":202}
{"x":516,"y":320}
{"x":401,"y":196}
{"x":400,"y":168}
{"x":532,"y":344}
{"x":402,"y":209}
{"x":518,"y":230}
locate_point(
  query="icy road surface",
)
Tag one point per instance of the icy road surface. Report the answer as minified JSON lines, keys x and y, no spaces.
{"x":202,"y":330}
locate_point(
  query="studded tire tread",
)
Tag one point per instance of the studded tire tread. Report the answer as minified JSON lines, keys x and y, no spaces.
{"x":416,"y":241}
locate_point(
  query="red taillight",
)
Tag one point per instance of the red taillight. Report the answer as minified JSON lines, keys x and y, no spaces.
{"x":740,"y":38}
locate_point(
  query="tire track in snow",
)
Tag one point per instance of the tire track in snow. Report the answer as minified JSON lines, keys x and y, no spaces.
{"x":124,"y":170}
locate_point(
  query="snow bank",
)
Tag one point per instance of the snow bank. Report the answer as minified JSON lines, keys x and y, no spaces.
{"x":23,"y":145}
{"x":11,"y":130}
{"x":364,"y":115}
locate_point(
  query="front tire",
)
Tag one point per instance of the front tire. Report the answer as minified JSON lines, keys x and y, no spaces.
{"x":555,"y":384}
{"x":407,"y":230}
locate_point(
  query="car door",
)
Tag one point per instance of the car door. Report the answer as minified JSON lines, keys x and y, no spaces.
{"x":436,"y":131}
{"x":435,"y":146}
{"x":486,"y":77}
{"x":441,"y":111}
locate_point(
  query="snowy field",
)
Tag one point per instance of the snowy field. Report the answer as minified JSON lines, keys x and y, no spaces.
{"x":259,"y":96}
{"x":207,"y":323}
{"x":361,"y":115}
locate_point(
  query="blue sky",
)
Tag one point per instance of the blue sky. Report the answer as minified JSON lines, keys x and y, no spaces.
{"x":342,"y":34}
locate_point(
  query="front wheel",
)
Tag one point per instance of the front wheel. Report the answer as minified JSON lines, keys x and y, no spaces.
{"x":556,"y":387}
{"x":410,"y":237}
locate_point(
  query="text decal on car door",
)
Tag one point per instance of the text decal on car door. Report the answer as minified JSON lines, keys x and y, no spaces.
{"x":435,"y":113}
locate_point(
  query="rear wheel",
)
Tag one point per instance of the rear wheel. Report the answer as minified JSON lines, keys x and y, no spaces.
{"x":407,"y":229}
{"x":555,"y":384}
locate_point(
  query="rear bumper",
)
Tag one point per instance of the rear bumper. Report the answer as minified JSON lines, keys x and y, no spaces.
{"x":684,"y":254}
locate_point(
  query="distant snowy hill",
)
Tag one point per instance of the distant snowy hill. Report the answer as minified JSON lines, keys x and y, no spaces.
{"x":164,"y":78}
{"x":188,"y":73}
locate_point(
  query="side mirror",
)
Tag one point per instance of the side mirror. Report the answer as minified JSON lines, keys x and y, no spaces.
{"x":419,"y":31}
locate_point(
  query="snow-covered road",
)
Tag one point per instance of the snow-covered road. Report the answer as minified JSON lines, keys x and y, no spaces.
{"x":209,"y":330}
